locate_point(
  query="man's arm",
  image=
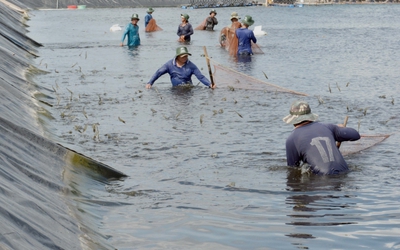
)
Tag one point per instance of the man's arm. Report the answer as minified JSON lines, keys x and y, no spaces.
{"x":199,"y":75}
{"x":345,"y":134}
{"x":161,"y":71}
{"x":124,"y":35}
{"x":253,"y":38}
{"x":292,"y":156}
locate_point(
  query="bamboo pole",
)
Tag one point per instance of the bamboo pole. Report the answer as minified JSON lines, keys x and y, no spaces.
{"x":209,"y":66}
{"x":344,"y":124}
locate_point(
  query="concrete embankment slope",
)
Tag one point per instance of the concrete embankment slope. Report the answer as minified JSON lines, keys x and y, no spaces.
{"x":41,"y":182}
{"x":54,"y":4}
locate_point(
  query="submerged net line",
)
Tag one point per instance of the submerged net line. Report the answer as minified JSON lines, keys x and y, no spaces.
{"x":365,"y":142}
{"x":227,"y":77}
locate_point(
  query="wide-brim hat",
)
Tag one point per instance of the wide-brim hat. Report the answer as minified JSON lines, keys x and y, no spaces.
{"x":248,"y":20}
{"x":213,"y":11}
{"x":300,"y":111}
{"x":150,"y":10}
{"x":182,"y":51}
{"x":235,"y":15}
{"x":135,"y":16}
{"x":186,"y":16}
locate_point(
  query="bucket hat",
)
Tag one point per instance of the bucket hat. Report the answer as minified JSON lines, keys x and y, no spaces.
{"x":135,"y":16}
{"x":235,"y":15}
{"x":213,"y":11}
{"x":182,"y":51}
{"x":150,"y":10}
{"x":248,"y":20}
{"x":186,"y":16}
{"x":300,"y":111}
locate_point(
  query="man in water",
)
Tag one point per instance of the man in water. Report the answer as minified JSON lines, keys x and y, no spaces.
{"x":245,"y":37}
{"x":211,"y":20}
{"x":180,"y":70}
{"x":132,"y":31}
{"x":148,"y":16}
{"x":185,"y":29}
{"x":314,"y":143}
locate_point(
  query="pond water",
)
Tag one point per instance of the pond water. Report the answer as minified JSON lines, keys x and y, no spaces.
{"x":207,"y":168}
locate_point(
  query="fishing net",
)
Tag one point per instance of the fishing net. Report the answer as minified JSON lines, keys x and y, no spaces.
{"x":227,"y":77}
{"x":229,"y":40}
{"x":152,"y":26}
{"x":202,"y":25}
{"x":365,"y":142}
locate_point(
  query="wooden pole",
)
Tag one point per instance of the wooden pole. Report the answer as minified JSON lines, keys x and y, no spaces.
{"x":344,"y":124}
{"x":209,"y":66}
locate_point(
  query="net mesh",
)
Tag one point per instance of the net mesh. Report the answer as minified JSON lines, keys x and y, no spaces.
{"x":365,"y":142}
{"x":202,"y":25}
{"x":152,"y":26}
{"x":229,"y":40}
{"x":227,"y":77}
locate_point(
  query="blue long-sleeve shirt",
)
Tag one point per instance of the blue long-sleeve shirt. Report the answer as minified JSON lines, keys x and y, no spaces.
{"x":132,"y":31}
{"x":186,"y":31}
{"x":180,"y":75}
{"x":245,"y":36}
{"x":315,"y":144}
{"x":147,"y":19}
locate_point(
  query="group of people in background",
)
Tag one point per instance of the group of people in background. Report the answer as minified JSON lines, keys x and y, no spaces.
{"x":237,"y":38}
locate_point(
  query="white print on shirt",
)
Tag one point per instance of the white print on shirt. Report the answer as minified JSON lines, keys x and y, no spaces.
{"x":326,"y":156}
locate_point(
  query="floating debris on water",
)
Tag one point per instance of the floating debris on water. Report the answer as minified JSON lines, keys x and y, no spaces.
{"x":347,"y":84}
{"x":231,"y":88}
{"x":201,"y":119}
{"x":329,"y":87}
{"x":239,"y":114}
{"x":96,"y":131}
{"x":337,"y":85}
{"x":100,"y":101}
{"x":232,"y":184}
{"x":176,"y":117}
{"x":78,"y":128}
{"x":320,"y":100}
{"x":84,"y":112}
{"x":265,"y":75}
{"x":119,"y":118}
{"x":382,"y":96}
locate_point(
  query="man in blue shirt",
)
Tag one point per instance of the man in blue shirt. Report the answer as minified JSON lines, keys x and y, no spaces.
{"x":314,"y":143}
{"x":180,"y":70}
{"x":148,"y":17}
{"x":132,"y":31}
{"x":245,"y":37}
